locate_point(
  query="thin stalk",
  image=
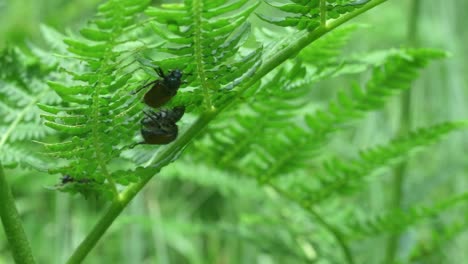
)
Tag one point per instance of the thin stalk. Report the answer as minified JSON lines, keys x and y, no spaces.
{"x":336,"y":233}
{"x":177,"y":147}
{"x":197,"y":7}
{"x":11,"y":220}
{"x":397,"y":193}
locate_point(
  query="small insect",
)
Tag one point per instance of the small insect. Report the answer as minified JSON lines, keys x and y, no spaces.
{"x":69,"y":179}
{"x":66,"y":179}
{"x":162,"y":90}
{"x":160,"y":128}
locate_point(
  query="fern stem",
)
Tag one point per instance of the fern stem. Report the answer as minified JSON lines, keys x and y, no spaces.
{"x":336,"y":233}
{"x":11,"y":220}
{"x":97,"y":146}
{"x":323,"y":13}
{"x":96,"y":134}
{"x":197,"y":10}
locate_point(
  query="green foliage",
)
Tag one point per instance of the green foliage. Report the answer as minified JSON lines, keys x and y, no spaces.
{"x":344,"y":176}
{"x":431,"y":245}
{"x":307,"y":14}
{"x":272,"y":125}
{"x":204,"y":39}
{"x":259,"y":138}
{"x":102,"y":114}
{"x":397,"y":221}
{"x":22,"y":87}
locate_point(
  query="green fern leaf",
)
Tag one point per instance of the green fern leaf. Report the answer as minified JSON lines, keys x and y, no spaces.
{"x":21,"y":82}
{"x":307,"y":14}
{"x":103,"y":114}
{"x":270,"y":107}
{"x":304,"y":143}
{"x":342,"y":175}
{"x":399,"y":220}
{"x":205,"y":43}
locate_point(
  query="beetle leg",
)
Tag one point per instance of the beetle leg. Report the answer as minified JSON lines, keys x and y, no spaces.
{"x":133,"y":145}
{"x":152,"y":116}
{"x":160,"y":72}
{"x":144,"y":86}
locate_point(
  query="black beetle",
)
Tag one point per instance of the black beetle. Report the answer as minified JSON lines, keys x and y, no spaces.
{"x":162,"y":90}
{"x":159,"y":128}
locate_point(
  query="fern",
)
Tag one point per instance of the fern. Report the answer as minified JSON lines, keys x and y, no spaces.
{"x":22,"y":87}
{"x":273,"y":105}
{"x":103,"y":114}
{"x":310,"y":14}
{"x":269,"y":110}
{"x":255,"y":143}
{"x":343,"y":175}
{"x":206,"y":43}
{"x":304,"y":143}
{"x":437,"y":240}
{"x":259,"y":112}
{"x":397,"y":221}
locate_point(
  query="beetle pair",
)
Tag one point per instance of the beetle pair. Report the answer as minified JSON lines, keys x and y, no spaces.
{"x":159,"y":128}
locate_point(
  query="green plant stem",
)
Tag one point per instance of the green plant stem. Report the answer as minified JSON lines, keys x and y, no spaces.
{"x":176,"y":148}
{"x":197,"y":7}
{"x":336,"y":233}
{"x":397,"y":194}
{"x":11,"y":221}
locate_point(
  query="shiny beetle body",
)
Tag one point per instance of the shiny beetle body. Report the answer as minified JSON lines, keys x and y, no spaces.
{"x":164,"y":89}
{"x":159,"y":128}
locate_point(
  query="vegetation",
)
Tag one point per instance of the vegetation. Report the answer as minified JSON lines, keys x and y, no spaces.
{"x":298,"y":144}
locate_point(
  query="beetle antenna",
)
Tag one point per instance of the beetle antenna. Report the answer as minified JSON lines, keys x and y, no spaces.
{"x":131,"y":146}
{"x":152,"y":116}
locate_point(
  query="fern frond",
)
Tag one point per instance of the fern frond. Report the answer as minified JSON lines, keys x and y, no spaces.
{"x":310,"y":14}
{"x":206,"y":42}
{"x":342,"y":176}
{"x":103,"y":113}
{"x":272,"y":106}
{"x":395,"y":75}
{"x":21,"y":82}
{"x":438,"y":239}
{"x":303,"y":143}
{"x":328,"y":49}
{"x":399,"y":220}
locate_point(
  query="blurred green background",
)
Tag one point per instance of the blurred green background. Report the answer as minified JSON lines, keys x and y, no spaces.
{"x":216,"y":219}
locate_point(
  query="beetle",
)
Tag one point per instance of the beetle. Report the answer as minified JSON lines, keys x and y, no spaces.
{"x":162,"y":90}
{"x":66,"y":178}
{"x":160,"y":128}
